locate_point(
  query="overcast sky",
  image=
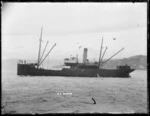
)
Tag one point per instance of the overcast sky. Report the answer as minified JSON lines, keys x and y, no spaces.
{"x":71,"y":25}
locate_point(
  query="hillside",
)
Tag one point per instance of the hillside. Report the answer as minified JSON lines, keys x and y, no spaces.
{"x":138,"y":62}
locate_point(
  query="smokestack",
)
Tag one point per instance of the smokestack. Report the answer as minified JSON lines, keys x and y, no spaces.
{"x":85,"y":55}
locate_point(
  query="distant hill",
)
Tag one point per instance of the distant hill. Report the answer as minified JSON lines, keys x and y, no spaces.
{"x":138,"y":62}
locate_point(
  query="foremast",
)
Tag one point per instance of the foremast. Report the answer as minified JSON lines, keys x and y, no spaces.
{"x":40,"y":60}
{"x":39,"y":48}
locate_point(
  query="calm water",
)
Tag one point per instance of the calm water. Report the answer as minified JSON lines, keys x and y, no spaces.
{"x":40,"y":94}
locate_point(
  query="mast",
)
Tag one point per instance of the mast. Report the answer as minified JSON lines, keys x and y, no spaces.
{"x":47,"y":54}
{"x":103,"y":54}
{"x":44,"y":51}
{"x":39,"y":48}
{"x":77,"y":58}
{"x":100,"y":51}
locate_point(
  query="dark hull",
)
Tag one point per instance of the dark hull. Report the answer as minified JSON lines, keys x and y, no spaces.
{"x":24,"y":69}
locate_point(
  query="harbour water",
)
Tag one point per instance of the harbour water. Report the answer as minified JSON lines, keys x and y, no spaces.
{"x":24,"y":94}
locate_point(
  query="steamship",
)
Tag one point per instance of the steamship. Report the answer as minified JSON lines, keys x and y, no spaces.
{"x":74,"y":68}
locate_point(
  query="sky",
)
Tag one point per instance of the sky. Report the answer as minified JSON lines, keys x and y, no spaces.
{"x":71,"y":25}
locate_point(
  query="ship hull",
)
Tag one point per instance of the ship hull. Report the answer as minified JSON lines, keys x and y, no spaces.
{"x":27,"y":70}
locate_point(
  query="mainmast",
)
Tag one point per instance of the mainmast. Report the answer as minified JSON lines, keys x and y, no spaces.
{"x":101,"y":58}
{"x":39,"y":48}
{"x":103,"y":55}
